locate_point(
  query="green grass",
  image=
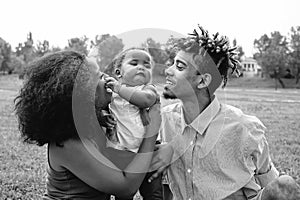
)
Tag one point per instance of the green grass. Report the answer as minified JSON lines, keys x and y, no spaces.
{"x":258,"y":82}
{"x":280,"y":113}
{"x":23,"y":166}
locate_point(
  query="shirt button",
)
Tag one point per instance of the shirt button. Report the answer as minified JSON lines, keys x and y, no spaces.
{"x":192,"y":143}
{"x":189,"y":170}
{"x":190,"y":199}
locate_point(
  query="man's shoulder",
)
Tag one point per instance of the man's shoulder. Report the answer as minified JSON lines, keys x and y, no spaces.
{"x":247,"y":130}
{"x":237,"y":116}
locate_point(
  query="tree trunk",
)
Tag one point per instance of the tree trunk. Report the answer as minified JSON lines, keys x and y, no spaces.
{"x":281,"y":82}
{"x":298,"y":75}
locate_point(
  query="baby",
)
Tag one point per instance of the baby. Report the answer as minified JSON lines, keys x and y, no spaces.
{"x":133,"y":94}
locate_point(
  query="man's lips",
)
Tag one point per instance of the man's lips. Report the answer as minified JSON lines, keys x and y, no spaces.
{"x":169,"y":82}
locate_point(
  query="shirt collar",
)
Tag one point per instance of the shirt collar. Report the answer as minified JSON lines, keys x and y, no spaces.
{"x":201,"y":122}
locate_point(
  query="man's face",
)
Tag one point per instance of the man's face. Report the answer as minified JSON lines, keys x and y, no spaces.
{"x":181,"y":77}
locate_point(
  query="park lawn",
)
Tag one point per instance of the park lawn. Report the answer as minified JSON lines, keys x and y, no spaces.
{"x":258,"y":82}
{"x":23,"y":166}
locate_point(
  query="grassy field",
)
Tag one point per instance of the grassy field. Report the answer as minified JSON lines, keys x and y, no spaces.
{"x":22,"y":166}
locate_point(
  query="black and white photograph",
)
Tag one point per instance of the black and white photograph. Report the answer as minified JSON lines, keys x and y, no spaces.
{"x":150,"y":100}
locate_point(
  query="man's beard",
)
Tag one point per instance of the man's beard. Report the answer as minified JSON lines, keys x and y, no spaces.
{"x":168,"y":94}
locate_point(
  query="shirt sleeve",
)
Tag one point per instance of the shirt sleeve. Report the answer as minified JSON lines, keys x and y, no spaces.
{"x":265,"y":171}
{"x":258,"y":160}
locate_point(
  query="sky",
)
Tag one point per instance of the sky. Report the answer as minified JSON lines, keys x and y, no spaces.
{"x":59,"y":20}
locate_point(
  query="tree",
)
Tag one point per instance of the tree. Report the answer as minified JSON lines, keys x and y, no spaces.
{"x":42,"y":48}
{"x":99,"y":39}
{"x":55,"y":49}
{"x":107,"y":47}
{"x":239,"y":49}
{"x":5,"y":54}
{"x":16,"y":63}
{"x":294,"y":56}
{"x":158,"y":54}
{"x":272,"y":54}
{"x":26,"y":51}
{"x":262,"y":44}
{"x":78,"y":44}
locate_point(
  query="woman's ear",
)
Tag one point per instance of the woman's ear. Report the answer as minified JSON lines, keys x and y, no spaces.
{"x":204,"y":80}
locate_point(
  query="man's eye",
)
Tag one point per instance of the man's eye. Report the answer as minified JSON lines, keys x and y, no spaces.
{"x":180,"y":66}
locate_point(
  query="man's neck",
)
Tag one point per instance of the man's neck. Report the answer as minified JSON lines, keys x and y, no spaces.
{"x":193,"y":107}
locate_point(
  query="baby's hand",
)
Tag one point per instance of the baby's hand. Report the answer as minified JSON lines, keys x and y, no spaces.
{"x":113,"y":84}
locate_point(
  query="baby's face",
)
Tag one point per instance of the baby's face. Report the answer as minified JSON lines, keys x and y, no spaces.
{"x":136,"y":68}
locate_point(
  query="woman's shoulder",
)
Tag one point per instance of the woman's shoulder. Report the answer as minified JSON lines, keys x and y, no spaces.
{"x":59,"y":154}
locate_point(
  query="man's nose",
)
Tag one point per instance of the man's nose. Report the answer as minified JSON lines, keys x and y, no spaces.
{"x":169,"y":71}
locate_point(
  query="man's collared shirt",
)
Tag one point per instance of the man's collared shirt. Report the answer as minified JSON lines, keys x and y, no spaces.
{"x":220,"y":152}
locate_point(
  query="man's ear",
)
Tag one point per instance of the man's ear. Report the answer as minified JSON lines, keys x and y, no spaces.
{"x":204,"y":80}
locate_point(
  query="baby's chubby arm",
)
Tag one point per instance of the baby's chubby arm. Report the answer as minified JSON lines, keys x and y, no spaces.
{"x":141,"y":98}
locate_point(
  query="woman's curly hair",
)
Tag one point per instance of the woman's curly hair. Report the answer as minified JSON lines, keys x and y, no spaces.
{"x":44,"y":105}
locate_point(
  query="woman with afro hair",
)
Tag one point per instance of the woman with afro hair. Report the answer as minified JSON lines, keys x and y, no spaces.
{"x":60,"y":105}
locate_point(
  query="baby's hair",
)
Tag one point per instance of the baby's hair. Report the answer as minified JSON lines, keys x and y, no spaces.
{"x":118,"y":60}
{"x":218,"y":48}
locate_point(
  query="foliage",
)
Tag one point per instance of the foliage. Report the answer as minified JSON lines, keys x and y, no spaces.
{"x":5,"y":53}
{"x":272,"y":52}
{"x":158,"y":53}
{"x":156,"y":50}
{"x":78,"y":44}
{"x":26,"y":51}
{"x":239,"y":49}
{"x":294,"y":56}
{"x":106,"y":48}
{"x":99,"y":39}
{"x":55,"y":49}
{"x":42,"y":48}
{"x":16,"y":63}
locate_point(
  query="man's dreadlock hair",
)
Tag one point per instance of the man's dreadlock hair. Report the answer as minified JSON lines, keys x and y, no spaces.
{"x":218,"y":48}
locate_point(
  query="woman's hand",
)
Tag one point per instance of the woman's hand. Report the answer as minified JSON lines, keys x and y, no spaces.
{"x":161,"y":160}
{"x":155,"y":120}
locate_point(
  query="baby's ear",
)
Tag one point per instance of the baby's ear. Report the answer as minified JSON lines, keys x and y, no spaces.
{"x":117,"y":72}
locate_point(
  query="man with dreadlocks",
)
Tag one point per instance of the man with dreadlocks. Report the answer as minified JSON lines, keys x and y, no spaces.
{"x":215,"y":151}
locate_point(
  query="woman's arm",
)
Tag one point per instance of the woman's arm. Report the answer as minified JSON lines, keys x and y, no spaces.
{"x":91,"y":166}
